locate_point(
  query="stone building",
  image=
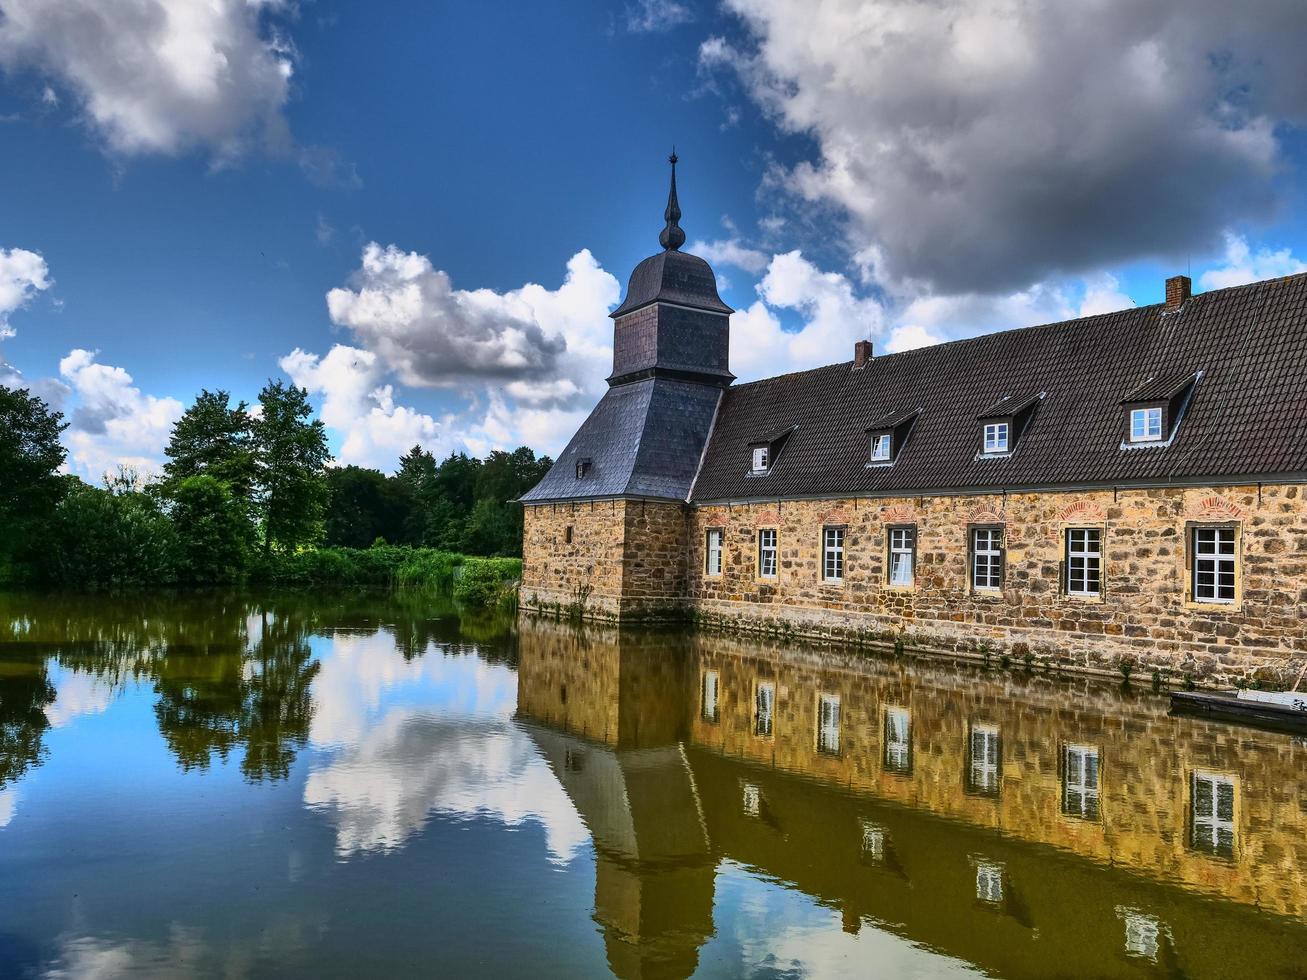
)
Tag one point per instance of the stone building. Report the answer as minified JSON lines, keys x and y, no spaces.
{"x":1122,"y":489}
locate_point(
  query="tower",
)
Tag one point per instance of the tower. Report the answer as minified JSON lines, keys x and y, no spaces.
{"x":605,"y":529}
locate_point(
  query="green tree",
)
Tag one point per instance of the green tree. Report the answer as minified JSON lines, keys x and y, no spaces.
{"x":366,"y":505}
{"x":111,"y":538}
{"x":291,"y":455}
{"x":214,"y":534}
{"x":30,"y":484}
{"x":214,"y":438}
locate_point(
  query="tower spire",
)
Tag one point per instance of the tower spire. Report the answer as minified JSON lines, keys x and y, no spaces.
{"x":672,"y":238}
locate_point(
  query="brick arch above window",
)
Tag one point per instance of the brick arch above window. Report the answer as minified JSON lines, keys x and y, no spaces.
{"x":1082,"y":510}
{"x":1214,"y":507}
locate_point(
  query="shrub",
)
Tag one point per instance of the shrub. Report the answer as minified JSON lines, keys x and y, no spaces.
{"x":488,"y":581}
{"x":102,"y":540}
{"x":214,"y":533}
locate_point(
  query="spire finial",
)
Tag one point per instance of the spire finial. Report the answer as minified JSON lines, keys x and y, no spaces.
{"x":672,"y":237}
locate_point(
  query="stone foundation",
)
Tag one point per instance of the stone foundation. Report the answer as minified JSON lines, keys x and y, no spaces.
{"x":642,"y":559}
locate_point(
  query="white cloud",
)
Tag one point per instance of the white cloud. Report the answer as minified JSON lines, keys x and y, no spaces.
{"x":159,"y":76}
{"x":113,"y":423}
{"x":77,"y":694}
{"x":1243,"y":265}
{"x":528,"y":362}
{"x":656,"y":16}
{"x":8,"y":805}
{"x":984,"y":145}
{"x":356,"y":403}
{"x":23,"y":274}
{"x":730,"y":251}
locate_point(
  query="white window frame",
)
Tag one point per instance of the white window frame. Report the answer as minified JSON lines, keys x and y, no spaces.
{"x":1080,"y":774}
{"x":997,"y":438}
{"x":902,"y":548}
{"x":828,"y":724}
{"x":768,"y":552}
{"x":987,"y":562}
{"x":983,"y":766}
{"x":761,"y":459}
{"x":712,"y":554}
{"x":1146,"y":424}
{"x":710,"y":696}
{"x":1214,"y":566}
{"x":764,"y":710}
{"x":832,"y":555}
{"x":898,"y":739}
{"x":882,"y":447}
{"x":1208,"y":823}
{"x":1084,"y":561}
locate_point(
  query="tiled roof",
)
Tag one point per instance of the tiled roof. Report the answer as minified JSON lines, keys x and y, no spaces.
{"x":1247,"y":416}
{"x":1160,"y":389}
{"x":643,"y":439}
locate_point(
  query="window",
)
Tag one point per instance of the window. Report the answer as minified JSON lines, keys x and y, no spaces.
{"x":1213,"y":564}
{"x":712,"y":564}
{"x":1143,"y":933}
{"x":567,"y":534}
{"x":987,"y":558}
{"x":828,"y":724}
{"x":1084,"y":561}
{"x":982,"y":771}
{"x":582,"y":467}
{"x":898,"y":740}
{"x":996,"y":434}
{"x":902,"y":555}
{"x":881,"y":447}
{"x":1080,"y":781}
{"x":1145,"y":424}
{"x":767,"y":553}
{"x":873,"y":843}
{"x":764,"y":706}
{"x":760,"y":459}
{"x":1212,"y":811}
{"x":751,"y":800}
{"x":832,"y":554}
{"x":989,"y":882}
{"x":708,"y":696}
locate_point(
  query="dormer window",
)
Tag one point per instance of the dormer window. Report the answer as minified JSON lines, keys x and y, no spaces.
{"x":996,"y":437}
{"x":582,"y":467}
{"x":1153,"y":411}
{"x":765,"y":451}
{"x":1146,"y":424}
{"x":881,"y":444}
{"x":1004,"y":423}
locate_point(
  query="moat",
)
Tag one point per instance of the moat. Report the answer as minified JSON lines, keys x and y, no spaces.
{"x":369,"y":784}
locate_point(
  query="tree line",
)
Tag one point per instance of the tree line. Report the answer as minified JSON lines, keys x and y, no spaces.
{"x":243,"y":488}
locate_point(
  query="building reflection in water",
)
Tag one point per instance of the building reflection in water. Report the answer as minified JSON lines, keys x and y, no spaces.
{"x":1126,"y":839}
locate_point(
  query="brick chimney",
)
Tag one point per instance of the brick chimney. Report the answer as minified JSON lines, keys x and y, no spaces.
{"x":1178,"y":289}
{"x":861,"y":354}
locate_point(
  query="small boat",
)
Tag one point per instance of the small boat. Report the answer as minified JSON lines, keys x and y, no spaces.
{"x":1284,"y":711}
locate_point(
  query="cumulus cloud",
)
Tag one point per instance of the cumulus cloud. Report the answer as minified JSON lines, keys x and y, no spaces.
{"x":23,"y":274}
{"x":1243,"y":265}
{"x":983,"y":145}
{"x":113,"y":424}
{"x":731,"y":251}
{"x":159,"y":76}
{"x":356,"y":403}
{"x":657,"y":16}
{"x":529,"y":362}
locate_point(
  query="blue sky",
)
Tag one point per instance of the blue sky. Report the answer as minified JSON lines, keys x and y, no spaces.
{"x":423,"y":212}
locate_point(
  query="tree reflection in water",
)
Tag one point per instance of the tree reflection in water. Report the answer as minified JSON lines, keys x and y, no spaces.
{"x":24,"y":696}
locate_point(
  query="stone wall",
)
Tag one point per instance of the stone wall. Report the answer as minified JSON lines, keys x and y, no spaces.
{"x":606,"y":559}
{"x":1145,"y":616}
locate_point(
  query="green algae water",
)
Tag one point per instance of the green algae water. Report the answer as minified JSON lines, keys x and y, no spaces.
{"x":376,"y":785}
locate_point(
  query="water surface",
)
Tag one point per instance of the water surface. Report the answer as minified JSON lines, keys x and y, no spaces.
{"x":245,"y":786}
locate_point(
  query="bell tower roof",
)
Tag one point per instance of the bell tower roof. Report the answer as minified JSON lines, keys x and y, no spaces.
{"x":672,"y":276}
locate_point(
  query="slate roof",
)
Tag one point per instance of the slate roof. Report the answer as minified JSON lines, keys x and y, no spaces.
{"x":644,"y":439}
{"x":1246,"y":416}
{"x":672,"y":277}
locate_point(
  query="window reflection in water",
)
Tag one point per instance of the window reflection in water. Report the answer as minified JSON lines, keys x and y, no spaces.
{"x":828,"y":724}
{"x":989,"y":882}
{"x":982,"y":770}
{"x":708,"y":699}
{"x":873,"y":843}
{"x":1080,"y":781}
{"x":751,"y":800}
{"x":1212,"y":814}
{"x":1143,"y":933}
{"x":898,"y":741}
{"x":764,"y":706}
